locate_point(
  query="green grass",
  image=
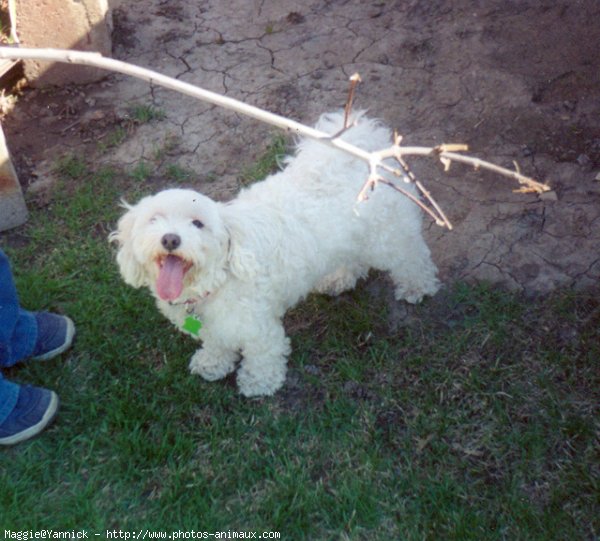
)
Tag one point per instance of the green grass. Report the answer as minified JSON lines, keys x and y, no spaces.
{"x":177,"y":173}
{"x":141,"y":171}
{"x":71,"y":167}
{"x":113,"y":139}
{"x":168,"y":145}
{"x":138,"y":114}
{"x":475,"y":418}
{"x":267,"y":163}
{"x":144,"y":113}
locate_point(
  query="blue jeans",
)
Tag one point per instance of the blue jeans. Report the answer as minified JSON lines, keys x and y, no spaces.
{"x":18,"y":335}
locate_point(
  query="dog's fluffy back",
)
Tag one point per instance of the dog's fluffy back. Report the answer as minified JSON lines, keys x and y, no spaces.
{"x":322,"y":169}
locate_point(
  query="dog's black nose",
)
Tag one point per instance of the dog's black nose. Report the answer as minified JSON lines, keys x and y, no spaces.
{"x":170,"y":241}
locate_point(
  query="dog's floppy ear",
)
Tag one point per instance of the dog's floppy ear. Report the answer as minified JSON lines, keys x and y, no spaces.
{"x":131,"y":270}
{"x":240,"y":259}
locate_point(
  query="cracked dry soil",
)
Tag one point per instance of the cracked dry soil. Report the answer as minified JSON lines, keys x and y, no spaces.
{"x":516,"y":80}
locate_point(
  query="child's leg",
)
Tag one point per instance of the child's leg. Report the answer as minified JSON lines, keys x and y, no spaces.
{"x":18,"y":328}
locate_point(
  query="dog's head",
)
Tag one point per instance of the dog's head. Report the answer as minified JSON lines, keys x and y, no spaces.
{"x":178,"y":239}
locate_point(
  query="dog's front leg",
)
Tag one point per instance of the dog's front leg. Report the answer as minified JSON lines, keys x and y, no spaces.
{"x":213,"y":361}
{"x":264,"y":361}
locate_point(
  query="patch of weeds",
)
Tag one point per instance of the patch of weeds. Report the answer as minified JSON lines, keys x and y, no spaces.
{"x":142,"y":114}
{"x":71,"y":166}
{"x":168,"y":146}
{"x":177,"y":173}
{"x":267,"y":163}
{"x":113,"y":139}
{"x":142,"y":171}
{"x":211,"y":176}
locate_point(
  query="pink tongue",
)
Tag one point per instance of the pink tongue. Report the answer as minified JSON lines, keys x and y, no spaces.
{"x":170,"y":278}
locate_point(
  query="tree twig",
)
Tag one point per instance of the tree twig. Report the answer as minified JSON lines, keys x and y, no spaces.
{"x":354,"y":80}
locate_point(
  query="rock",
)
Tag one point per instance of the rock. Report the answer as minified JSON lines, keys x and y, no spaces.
{"x":81,"y":25}
{"x":13,"y":211}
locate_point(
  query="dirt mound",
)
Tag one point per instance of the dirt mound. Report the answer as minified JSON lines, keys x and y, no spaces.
{"x":515,"y":80}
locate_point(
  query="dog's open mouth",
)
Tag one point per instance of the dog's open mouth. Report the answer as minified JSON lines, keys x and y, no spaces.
{"x":169,"y":283}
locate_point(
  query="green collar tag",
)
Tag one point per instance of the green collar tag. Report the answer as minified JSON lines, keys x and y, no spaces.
{"x":192,"y":325}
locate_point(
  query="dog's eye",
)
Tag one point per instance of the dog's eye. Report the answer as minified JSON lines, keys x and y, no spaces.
{"x":198,"y":224}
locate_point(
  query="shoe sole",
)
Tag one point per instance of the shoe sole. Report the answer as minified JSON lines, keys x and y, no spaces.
{"x":34,"y":430}
{"x":70,"y":334}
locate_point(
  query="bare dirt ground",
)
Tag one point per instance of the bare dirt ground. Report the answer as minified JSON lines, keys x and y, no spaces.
{"x":516,"y":80}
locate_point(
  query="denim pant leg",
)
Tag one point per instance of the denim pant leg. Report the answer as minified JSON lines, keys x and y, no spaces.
{"x":18,"y":334}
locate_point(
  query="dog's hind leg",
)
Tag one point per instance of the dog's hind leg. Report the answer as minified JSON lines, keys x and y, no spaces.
{"x":341,"y":280}
{"x":409,"y":264}
{"x":413,"y":272}
{"x":413,"y":288}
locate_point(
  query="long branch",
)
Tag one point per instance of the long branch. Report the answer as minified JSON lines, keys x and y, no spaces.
{"x":375,"y":160}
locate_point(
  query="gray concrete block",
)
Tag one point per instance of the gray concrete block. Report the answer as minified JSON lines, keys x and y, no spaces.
{"x":13,"y":211}
{"x":81,"y":25}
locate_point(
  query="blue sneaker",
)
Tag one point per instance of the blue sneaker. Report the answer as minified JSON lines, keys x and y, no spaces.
{"x":55,"y":334}
{"x":35,"y":409}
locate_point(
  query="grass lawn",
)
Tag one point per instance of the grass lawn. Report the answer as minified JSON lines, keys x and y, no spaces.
{"x":473,"y":416}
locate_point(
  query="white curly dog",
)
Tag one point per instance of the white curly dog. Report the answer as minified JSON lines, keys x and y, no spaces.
{"x":237,"y":267}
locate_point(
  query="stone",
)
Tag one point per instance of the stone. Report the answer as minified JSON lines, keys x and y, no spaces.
{"x":80,"y":25}
{"x":13,"y":211}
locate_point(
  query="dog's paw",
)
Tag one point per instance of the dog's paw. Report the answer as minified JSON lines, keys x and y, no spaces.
{"x":211,"y":367}
{"x":414,"y":293}
{"x":266,"y":383}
